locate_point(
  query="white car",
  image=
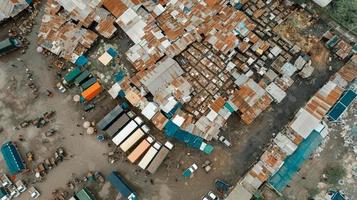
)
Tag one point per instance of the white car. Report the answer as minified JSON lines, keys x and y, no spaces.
{"x":212,"y":195}
{"x":205,"y":198}
{"x":193,"y":167}
{"x":21,"y":187}
{"x":33,"y":192}
{"x":5,"y":181}
{"x":13,"y":191}
{"x":61,"y":88}
{"x":224,"y":141}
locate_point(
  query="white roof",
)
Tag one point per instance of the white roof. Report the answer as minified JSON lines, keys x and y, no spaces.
{"x":285,"y":144}
{"x":169,"y":105}
{"x":304,"y":123}
{"x":178,"y":120}
{"x":212,"y":115}
{"x":114,"y":90}
{"x":239,"y":192}
{"x":105,"y":58}
{"x":276,"y":92}
{"x":159,"y":9}
{"x":150,"y":110}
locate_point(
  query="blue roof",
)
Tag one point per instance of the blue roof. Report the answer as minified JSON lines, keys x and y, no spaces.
{"x":337,"y":196}
{"x":12,"y":158}
{"x":118,"y":183}
{"x":112,"y":52}
{"x":341,"y":105}
{"x":81,"y":61}
{"x":172,"y":130}
{"x":348,"y":98}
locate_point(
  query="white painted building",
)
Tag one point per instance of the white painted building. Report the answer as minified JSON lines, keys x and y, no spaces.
{"x":322,"y":3}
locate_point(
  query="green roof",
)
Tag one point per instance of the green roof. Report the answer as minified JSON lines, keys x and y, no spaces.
{"x":85,"y":194}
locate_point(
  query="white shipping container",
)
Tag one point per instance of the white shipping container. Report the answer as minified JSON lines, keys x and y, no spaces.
{"x":135,"y":137}
{"x":124,"y":133}
{"x":143,"y":164}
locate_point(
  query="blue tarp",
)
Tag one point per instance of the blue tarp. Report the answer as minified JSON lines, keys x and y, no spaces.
{"x":119,"y":76}
{"x":293,"y":162}
{"x":172,"y":130}
{"x":81,"y":61}
{"x":341,"y":105}
{"x":112,"y":52}
{"x":12,"y":158}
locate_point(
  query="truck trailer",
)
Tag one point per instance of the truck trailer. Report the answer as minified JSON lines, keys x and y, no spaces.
{"x":131,"y":140}
{"x":88,"y":83}
{"x":140,"y":149}
{"x":9,"y":44}
{"x":160,"y":157}
{"x":71,"y":75}
{"x":109,"y":118}
{"x":117,"y":125}
{"x":121,"y":186}
{"x":143,"y":164}
{"x":82,"y":77}
{"x":125,"y":132}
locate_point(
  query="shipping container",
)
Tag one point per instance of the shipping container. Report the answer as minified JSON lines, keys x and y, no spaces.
{"x":9,"y":44}
{"x":140,"y":149}
{"x":91,"y":92}
{"x":131,"y":140}
{"x":71,"y":75}
{"x":143,"y":164}
{"x":88,"y":83}
{"x":160,"y":157}
{"x":82,"y":77}
{"x":117,"y":125}
{"x":124,"y":133}
{"x":121,"y":186}
{"x":110,"y":118}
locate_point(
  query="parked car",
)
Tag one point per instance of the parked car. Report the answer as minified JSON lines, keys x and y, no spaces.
{"x":5,"y":181}
{"x":33,"y":192}
{"x":205,"y":198}
{"x":224,"y":141}
{"x":189,"y":171}
{"x":212,"y":195}
{"x":61,"y":88}
{"x":21,"y":187}
{"x":13,"y":191}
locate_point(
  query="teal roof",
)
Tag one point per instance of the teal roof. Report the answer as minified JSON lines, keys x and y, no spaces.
{"x":293,"y":163}
{"x":85,"y":194}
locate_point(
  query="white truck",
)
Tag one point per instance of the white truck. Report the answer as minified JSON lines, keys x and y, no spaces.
{"x":143,"y":164}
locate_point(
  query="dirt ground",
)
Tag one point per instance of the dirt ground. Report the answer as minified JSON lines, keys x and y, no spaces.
{"x":320,"y":56}
{"x":292,"y":29}
{"x":17,"y":104}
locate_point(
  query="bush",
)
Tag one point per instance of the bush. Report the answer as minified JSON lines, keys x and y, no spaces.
{"x":334,"y":173}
